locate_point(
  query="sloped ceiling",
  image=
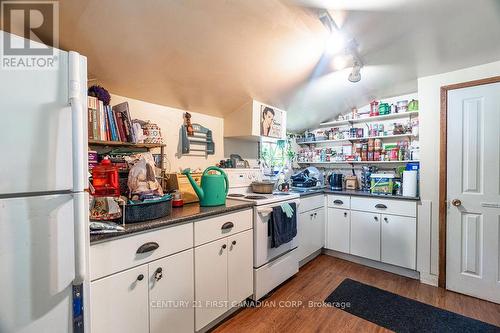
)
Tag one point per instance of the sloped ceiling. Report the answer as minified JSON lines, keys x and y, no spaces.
{"x":213,"y":56}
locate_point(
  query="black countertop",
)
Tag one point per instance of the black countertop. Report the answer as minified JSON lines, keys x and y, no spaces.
{"x":356,"y":193}
{"x":187,"y":213}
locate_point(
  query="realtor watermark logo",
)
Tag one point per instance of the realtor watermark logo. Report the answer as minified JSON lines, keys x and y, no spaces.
{"x":34,"y":35}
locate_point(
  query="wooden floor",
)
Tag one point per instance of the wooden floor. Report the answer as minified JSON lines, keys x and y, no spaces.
{"x":320,"y":277}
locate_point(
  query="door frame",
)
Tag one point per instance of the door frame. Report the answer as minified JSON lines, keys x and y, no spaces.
{"x":443,"y":173}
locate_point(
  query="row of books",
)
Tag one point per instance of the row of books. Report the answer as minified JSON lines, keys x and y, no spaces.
{"x":108,"y":123}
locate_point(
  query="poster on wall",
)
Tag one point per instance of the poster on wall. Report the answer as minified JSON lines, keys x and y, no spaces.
{"x":271,"y":122}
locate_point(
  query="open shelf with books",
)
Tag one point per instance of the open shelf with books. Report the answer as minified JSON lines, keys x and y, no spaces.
{"x":125,"y":144}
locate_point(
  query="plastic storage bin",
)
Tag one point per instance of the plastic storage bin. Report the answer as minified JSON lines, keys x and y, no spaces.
{"x":381,"y":183}
{"x":149,"y":210}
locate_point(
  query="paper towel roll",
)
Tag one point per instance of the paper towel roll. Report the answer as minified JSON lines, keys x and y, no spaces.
{"x":410,"y":183}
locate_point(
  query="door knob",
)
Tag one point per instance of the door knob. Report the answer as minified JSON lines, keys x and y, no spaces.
{"x":456,"y":202}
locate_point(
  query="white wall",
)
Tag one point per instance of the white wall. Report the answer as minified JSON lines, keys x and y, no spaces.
{"x":170,"y":120}
{"x":247,"y":149}
{"x":429,"y":104}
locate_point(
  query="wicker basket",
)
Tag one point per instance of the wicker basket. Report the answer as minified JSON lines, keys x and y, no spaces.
{"x":143,"y":211}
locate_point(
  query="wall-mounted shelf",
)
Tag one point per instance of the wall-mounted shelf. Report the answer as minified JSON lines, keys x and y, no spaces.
{"x":408,"y":135}
{"x":360,"y":162}
{"x":368,"y":119}
{"x":125,"y":144}
{"x":132,"y":146}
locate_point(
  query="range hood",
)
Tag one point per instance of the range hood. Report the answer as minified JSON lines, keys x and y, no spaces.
{"x":255,"y":121}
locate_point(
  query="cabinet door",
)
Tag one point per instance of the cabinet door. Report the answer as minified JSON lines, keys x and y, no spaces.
{"x":240,"y":267}
{"x":305,"y":229}
{"x":210,"y":276}
{"x":119,"y":303}
{"x":171,"y":293}
{"x":365,"y":235}
{"x":318,"y":240}
{"x":338,"y":229}
{"x":399,"y":240}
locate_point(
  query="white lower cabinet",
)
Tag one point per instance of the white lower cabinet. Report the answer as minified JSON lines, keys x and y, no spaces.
{"x":311,"y":231}
{"x":223,"y":276}
{"x":399,"y":241}
{"x":155,"y":297}
{"x":338,"y":228}
{"x":171,"y":291}
{"x":365,"y":235}
{"x":240,"y":266}
{"x":210,"y":262}
{"x":119,"y":303}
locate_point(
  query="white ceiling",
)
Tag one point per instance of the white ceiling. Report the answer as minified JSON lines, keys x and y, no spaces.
{"x":213,"y":56}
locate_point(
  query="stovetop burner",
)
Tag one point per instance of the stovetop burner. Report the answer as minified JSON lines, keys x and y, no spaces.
{"x":236,"y":195}
{"x":255,"y":197}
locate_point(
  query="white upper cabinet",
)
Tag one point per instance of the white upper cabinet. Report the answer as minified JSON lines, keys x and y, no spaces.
{"x":254,"y":120}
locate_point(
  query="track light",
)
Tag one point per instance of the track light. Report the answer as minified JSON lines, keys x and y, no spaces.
{"x":355,"y":75}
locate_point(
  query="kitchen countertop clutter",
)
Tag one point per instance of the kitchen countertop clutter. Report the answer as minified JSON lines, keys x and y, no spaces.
{"x":187,"y":213}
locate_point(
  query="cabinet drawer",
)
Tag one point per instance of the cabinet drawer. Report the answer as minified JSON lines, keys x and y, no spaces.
{"x":113,"y":256}
{"x":312,"y":202}
{"x":222,"y":226}
{"x":385,"y":206}
{"x":338,"y":201}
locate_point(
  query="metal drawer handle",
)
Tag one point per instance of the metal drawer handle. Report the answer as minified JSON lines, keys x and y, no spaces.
{"x":380,"y":206}
{"x":386,"y":219}
{"x":158,"y":274}
{"x":233,"y":242}
{"x":345,"y":214}
{"x":375,"y":218}
{"x":140,"y":277}
{"x":338,"y":202}
{"x":227,"y":225}
{"x":224,"y":246}
{"x":148,"y":247}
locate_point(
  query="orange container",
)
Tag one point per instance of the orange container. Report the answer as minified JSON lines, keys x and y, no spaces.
{"x":105,"y":179}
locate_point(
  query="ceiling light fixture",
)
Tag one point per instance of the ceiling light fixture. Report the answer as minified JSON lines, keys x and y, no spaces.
{"x":355,"y":75}
{"x":338,"y":44}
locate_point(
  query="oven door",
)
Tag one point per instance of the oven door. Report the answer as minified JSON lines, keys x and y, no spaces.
{"x":263,"y":252}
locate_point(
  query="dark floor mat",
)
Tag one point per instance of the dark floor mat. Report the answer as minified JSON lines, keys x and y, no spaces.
{"x":400,"y":314}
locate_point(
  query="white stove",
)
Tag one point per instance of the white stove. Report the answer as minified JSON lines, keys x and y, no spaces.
{"x":272,"y":266}
{"x":240,"y":181}
{"x":263,"y":199}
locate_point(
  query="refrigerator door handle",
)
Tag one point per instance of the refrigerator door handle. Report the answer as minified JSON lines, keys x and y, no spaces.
{"x":78,"y":123}
{"x":78,"y":148}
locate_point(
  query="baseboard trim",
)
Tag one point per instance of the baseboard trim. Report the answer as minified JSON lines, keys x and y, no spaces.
{"x":221,"y":319}
{"x":309,"y":258}
{"x":429,"y":279}
{"x":374,"y":264}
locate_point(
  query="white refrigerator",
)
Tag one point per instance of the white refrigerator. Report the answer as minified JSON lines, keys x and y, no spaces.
{"x":44,"y":237}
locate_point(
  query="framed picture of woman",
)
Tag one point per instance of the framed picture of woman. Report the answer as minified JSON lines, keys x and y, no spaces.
{"x":270,"y":122}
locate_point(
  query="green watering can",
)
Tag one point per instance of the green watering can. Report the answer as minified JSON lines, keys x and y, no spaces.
{"x":213,"y":189}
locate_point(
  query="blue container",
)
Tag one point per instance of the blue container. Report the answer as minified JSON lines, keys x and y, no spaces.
{"x":412,"y":166}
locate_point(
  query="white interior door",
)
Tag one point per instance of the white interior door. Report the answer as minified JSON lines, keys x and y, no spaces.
{"x":473,"y":218}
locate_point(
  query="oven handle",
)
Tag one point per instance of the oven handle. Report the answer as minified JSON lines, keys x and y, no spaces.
{"x":269,"y":210}
{"x":265,"y":211}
